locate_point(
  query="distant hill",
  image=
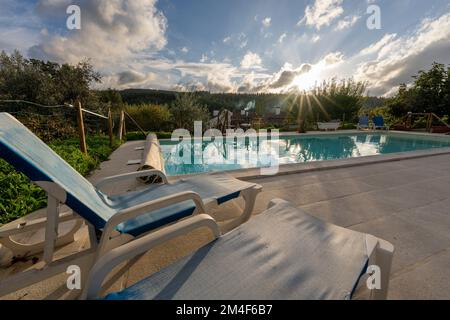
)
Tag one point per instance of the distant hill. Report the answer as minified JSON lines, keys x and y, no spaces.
{"x":373,"y":102}
{"x":230,"y":101}
{"x":214,"y":101}
{"x":136,"y":96}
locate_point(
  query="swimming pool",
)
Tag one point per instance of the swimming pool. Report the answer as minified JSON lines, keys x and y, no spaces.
{"x":221,"y":155}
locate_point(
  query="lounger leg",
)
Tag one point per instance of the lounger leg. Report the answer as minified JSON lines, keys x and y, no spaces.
{"x":22,"y":250}
{"x":383,"y":258}
{"x":250,"y":199}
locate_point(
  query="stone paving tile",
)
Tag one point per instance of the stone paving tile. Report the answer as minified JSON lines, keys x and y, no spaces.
{"x":433,"y":218}
{"x":351,"y":210}
{"x":411,"y":241}
{"x":405,"y":202}
{"x":428,"y":279}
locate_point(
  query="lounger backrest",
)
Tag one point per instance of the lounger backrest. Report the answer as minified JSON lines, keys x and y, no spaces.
{"x":29,"y":155}
{"x":378,"y":121}
{"x":364,"y":121}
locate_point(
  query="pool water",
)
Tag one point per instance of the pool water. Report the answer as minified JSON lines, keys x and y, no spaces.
{"x":221,"y":155}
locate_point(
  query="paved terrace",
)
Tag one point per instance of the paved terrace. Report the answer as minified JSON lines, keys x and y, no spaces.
{"x":406,"y":202}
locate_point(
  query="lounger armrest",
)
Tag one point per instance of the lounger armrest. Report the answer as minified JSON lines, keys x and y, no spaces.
{"x":143,"y":208}
{"x":131,"y":175}
{"x":141,"y":245}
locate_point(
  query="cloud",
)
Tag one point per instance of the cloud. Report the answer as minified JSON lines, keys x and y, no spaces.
{"x":112,"y":31}
{"x":128,"y":79}
{"x":397,"y":59}
{"x":216,"y":77}
{"x":282,"y":37}
{"x":287,"y":75}
{"x":315,"y":38}
{"x":333,"y":58}
{"x":227,"y":39}
{"x":251,"y":60}
{"x":377,"y":46}
{"x":184,"y":50}
{"x":133,"y":77}
{"x":267,"y":22}
{"x":347,"y":22}
{"x":18,"y":38}
{"x":322,"y":13}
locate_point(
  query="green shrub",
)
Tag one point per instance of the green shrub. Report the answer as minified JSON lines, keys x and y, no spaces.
{"x":19,"y":196}
{"x":348,"y":126}
{"x":150,"y":117}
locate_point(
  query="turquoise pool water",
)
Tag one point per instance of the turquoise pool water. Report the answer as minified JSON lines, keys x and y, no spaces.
{"x":219,"y":155}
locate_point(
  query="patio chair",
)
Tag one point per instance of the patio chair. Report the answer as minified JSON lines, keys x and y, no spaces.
{"x":111,"y":220}
{"x":378,"y":123}
{"x":363,"y":123}
{"x":282,"y":253}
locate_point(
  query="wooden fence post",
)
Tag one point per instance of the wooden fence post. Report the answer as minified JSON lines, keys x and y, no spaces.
{"x":110,"y":128}
{"x":81,"y":131}
{"x":121,"y":124}
{"x":124,"y":133}
{"x":429,"y":122}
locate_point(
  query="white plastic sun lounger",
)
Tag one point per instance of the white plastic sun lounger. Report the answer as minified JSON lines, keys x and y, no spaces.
{"x":111,"y":220}
{"x":329,"y":125}
{"x":282,"y":253}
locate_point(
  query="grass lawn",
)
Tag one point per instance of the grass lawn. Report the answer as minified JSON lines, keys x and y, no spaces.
{"x":19,"y":197}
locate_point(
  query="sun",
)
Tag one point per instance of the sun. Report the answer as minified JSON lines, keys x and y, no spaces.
{"x":306,"y":81}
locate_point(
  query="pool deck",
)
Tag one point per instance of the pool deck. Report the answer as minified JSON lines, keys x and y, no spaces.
{"x":404,"y":201}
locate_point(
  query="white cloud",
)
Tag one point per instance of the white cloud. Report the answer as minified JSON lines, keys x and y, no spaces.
{"x":184,"y":50}
{"x":267,"y":22}
{"x":216,"y":77}
{"x":322,"y":13}
{"x":226,"y":39}
{"x":18,"y":38}
{"x":112,"y":31}
{"x":377,"y":46}
{"x":347,"y":22}
{"x":251,"y":60}
{"x":315,"y":38}
{"x":397,"y":59}
{"x":333,"y":58}
{"x":282,"y":37}
{"x":204,"y":58}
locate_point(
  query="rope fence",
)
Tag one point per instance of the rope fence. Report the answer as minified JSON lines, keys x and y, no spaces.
{"x":61,"y":121}
{"x":67,"y":120}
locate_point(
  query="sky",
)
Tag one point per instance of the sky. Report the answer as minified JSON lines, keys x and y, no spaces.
{"x":234,"y":45}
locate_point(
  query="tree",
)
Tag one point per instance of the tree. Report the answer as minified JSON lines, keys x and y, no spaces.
{"x":431,"y":89}
{"x":112,"y":98}
{"x":43,"y":82}
{"x":150,"y":117}
{"x":186,"y":110}
{"x":430,"y":92}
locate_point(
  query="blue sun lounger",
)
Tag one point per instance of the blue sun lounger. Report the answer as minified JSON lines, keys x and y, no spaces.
{"x":363,"y":123}
{"x":378,"y":123}
{"x":282,"y":253}
{"x":112,"y":220}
